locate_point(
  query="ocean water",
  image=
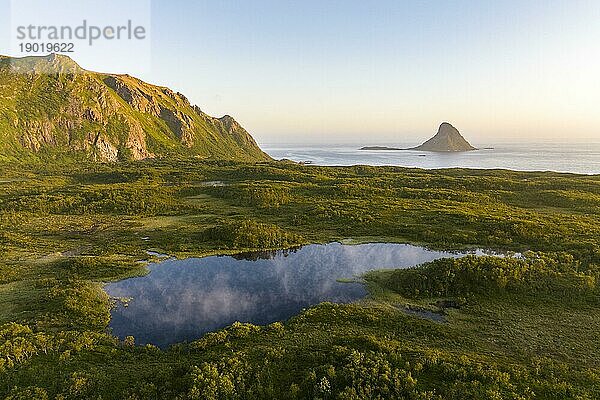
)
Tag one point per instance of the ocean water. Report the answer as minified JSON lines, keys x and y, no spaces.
{"x":559,"y":157}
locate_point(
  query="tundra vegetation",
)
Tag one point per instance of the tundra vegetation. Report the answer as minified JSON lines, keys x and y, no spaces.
{"x":524,"y":327}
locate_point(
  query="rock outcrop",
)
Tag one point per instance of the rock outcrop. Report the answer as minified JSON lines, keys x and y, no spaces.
{"x":447,"y":139}
{"x":51,"y":105}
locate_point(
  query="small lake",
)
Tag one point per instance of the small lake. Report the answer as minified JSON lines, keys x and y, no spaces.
{"x":180,"y":300}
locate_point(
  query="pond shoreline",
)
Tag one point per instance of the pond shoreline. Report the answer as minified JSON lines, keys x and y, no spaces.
{"x":271,"y":280}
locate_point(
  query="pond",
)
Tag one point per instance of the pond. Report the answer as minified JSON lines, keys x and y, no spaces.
{"x":180,"y":300}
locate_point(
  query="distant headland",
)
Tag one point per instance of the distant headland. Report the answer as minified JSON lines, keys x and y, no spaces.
{"x":447,"y":139}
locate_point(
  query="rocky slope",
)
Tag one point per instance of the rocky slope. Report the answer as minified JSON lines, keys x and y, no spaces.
{"x":49,"y":106}
{"x":447,"y":139}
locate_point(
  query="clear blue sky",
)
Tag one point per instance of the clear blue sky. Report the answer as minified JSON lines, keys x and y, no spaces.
{"x":383,"y":71}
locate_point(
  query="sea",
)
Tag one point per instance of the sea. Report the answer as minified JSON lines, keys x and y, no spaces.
{"x":575,"y":158}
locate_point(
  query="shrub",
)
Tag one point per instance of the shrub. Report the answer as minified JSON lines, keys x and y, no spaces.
{"x":479,"y":275}
{"x":252,"y":235}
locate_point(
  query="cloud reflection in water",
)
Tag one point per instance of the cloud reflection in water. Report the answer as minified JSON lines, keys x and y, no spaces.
{"x":181,"y":300}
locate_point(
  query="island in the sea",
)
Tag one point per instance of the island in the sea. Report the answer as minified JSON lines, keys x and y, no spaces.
{"x":380,"y":148}
{"x":447,"y":139}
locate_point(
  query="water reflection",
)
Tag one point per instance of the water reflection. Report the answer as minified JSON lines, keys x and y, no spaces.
{"x":182,"y":299}
{"x":264,"y":254}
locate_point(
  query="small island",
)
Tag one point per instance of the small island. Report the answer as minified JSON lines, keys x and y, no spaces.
{"x":380,"y":148}
{"x":447,"y":139}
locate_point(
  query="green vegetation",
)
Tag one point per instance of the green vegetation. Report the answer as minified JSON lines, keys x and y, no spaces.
{"x":516,"y":328}
{"x":540,"y":274}
{"x":52,"y":109}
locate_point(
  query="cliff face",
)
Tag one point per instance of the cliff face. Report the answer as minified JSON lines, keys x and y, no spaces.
{"x":49,"y":105}
{"x":447,"y":139}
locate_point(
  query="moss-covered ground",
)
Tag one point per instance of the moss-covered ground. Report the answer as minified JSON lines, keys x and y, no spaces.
{"x":523,"y":328}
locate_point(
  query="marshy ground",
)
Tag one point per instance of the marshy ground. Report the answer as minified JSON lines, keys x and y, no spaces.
{"x":526,"y":328}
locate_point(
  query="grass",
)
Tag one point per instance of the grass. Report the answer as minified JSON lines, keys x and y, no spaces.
{"x":79,"y":108}
{"x":522,"y":330}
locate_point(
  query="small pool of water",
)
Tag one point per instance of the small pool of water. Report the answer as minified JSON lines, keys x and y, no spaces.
{"x":180,"y":300}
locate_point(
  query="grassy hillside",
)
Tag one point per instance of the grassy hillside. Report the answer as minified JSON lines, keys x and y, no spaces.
{"x":52,"y":108}
{"x":513,"y":328}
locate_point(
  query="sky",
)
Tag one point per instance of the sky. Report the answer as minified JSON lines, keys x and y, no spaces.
{"x":371,"y":72}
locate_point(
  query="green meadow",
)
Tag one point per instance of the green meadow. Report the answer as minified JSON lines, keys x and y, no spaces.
{"x":524,"y":327}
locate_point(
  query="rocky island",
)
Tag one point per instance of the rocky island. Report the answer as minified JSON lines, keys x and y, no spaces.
{"x":380,"y":148}
{"x":447,"y":139}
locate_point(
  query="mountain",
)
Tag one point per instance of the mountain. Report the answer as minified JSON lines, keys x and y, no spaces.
{"x":51,"y":107}
{"x":447,"y":139}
